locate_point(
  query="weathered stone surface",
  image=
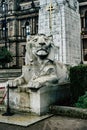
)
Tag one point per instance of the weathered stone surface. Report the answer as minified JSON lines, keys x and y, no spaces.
{"x":65,"y":28}
{"x":69,"y":111}
{"x":38,"y":86}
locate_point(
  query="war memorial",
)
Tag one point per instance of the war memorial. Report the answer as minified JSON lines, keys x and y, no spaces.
{"x":47,"y":54}
{"x":44,"y":81}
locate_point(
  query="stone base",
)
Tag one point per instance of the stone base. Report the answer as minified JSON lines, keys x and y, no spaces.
{"x":37,"y":101}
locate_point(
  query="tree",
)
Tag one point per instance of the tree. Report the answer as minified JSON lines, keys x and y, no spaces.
{"x":5,"y":56}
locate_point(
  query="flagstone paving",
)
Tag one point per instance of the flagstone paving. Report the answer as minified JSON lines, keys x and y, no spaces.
{"x":21,"y":119}
{"x":22,"y":122}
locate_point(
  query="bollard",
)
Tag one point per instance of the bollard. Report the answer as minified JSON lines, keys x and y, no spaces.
{"x":8,"y":111}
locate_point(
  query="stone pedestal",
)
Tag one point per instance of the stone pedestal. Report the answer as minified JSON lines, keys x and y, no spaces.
{"x":37,"y":101}
{"x":42,"y":99}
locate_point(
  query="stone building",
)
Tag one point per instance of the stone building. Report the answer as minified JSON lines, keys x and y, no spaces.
{"x":18,"y":18}
{"x":59,"y":18}
{"x":83,"y":14}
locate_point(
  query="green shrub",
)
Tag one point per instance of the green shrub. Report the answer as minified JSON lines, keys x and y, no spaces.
{"x":5,"y":56}
{"x":78,"y":80}
{"x":82,"y":101}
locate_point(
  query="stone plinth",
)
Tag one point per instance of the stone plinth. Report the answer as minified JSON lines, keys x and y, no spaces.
{"x":37,"y":101}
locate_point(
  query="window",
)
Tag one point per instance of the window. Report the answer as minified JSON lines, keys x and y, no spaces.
{"x":85,"y":49}
{"x":4,"y":29}
{"x":23,"y":56}
{"x":4,"y":6}
{"x":23,"y":31}
{"x":4,"y":32}
{"x":26,"y":29}
{"x":86,"y":19}
{"x":0,"y":33}
{"x":82,"y":22}
{"x":34,"y":25}
{"x":10,"y":6}
{"x":27,"y":25}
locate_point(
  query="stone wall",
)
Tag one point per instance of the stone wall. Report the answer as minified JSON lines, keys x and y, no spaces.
{"x":72,"y":36}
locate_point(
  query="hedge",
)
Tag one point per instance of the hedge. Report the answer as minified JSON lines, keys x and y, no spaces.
{"x":82,"y":101}
{"x":78,"y":80}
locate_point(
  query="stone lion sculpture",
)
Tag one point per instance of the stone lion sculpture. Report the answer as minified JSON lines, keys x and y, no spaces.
{"x":40,"y":67}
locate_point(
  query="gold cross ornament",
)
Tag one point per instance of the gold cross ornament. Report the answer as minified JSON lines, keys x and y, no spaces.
{"x":50,"y":9}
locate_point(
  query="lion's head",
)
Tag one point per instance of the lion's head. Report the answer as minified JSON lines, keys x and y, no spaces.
{"x":40,"y":46}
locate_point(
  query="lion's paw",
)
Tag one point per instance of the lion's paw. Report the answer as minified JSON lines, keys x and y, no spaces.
{"x":34,"y":84}
{"x":14,"y":83}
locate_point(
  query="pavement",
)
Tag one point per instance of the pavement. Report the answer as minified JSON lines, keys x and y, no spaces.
{"x":24,"y":120}
{"x":47,"y":122}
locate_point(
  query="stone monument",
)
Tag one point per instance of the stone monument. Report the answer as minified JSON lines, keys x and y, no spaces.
{"x":61,"y":19}
{"x":38,"y":86}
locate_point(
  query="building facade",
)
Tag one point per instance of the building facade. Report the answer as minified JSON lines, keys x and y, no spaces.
{"x":83,"y":16}
{"x":59,"y":18}
{"x":18,"y":18}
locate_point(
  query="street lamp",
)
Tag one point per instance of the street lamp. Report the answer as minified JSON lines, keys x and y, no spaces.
{"x":4,"y":28}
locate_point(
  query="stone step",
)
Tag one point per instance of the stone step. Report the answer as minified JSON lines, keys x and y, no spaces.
{"x":2,"y":94}
{"x":1,"y":102}
{"x":2,"y":108}
{"x":6,"y":79}
{"x":9,"y":74}
{"x":5,"y":75}
{"x":2,"y":91}
{"x":10,"y":70}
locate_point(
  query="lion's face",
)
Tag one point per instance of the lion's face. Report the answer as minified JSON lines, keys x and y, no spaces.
{"x":40,"y":45}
